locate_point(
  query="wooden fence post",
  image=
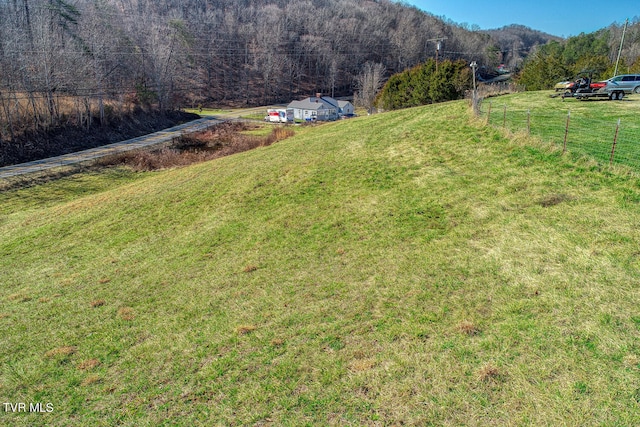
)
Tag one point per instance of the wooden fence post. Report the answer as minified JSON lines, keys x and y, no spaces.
{"x":504,"y":117}
{"x":489,"y":113}
{"x":528,"y":122}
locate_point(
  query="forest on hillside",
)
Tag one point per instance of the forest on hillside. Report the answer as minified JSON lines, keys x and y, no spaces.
{"x":198,"y":51}
{"x":89,"y":63}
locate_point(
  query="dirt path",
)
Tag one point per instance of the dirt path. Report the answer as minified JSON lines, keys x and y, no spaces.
{"x":110,"y":149}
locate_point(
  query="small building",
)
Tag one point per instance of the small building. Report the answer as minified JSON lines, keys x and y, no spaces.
{"x":321,"y":108}
{"x":345,"y":108}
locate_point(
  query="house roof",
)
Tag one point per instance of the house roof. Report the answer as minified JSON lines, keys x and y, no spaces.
{"x":330,"y":102}
{"x":306,"y":104}
{"x":343,"y":104}
{"x":314,"y":103}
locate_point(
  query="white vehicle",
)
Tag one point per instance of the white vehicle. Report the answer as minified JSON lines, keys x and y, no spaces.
{"x":618,"y":86}
{"x":279,"y":115}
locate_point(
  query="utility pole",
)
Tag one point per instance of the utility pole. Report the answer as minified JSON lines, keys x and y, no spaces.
{"x":438,"y":41}
{"x":474,"y":101}
{"x":624,"y":30}
{"x":473,"y":66}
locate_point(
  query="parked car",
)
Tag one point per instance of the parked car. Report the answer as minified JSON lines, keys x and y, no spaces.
{"x":617,"y":86}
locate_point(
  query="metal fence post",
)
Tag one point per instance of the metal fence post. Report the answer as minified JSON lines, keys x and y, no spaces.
{"x":615,"y":141}
{"x":566,"y":132}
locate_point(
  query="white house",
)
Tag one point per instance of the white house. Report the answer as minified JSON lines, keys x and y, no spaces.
{"x":345,"y":108}
{"x":308,"y":110}
{"x":321,"y":108}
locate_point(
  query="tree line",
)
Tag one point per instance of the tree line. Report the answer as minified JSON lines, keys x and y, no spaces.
{"x":81,"y":62}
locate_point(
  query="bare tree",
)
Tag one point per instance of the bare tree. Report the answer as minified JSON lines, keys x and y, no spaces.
{"x":368,"y":83}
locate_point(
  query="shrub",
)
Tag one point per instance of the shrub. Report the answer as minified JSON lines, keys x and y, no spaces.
{"x":426,"y":84}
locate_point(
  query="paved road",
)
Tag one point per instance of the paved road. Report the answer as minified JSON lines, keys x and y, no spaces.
{"x":106,"y":150}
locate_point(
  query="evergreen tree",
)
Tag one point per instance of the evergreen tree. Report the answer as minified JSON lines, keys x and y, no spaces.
{"x":424,"y":85}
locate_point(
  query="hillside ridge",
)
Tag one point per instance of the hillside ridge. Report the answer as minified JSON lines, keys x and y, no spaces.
{"x":414,"y":267}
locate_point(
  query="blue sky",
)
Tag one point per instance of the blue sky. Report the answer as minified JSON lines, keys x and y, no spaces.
{"x":560,"y":18}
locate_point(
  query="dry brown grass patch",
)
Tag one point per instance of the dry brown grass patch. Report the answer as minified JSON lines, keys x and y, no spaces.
{"x":468,"y":328}
{"x":126,"y":313}
{"x":361,"y":365}
{"x":19,"y":297}
{"x":88,"y":364}
{"x":277,"y":342}
{"x":246,"y":329}
{"x":97,"y":303}
{"x":631,"y":361}
{"x":4,"y":315}
{"x":250,"y":268}
{"x":61,"y":351}
{"x":553,"y":199}
{"x":91,"y":379}
{"x":220,"y":141}
{"x":489,"y":372}
{"x":278,"y":134}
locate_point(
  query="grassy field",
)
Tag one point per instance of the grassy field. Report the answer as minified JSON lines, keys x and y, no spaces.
{"x":408,"y":268}
{"x":592,"y":125}
{"x":255,"y":113}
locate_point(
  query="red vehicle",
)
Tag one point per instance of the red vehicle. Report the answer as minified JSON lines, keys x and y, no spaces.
{"x":584,"y":88}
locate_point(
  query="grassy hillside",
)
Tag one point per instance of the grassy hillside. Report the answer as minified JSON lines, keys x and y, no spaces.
{"x":411,"y":268}
{"x":592,"y":125}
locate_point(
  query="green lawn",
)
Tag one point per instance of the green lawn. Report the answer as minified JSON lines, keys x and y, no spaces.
{"x":407,"y":268}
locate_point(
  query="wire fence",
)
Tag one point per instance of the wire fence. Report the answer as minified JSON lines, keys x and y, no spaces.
{"x":610,"y":142}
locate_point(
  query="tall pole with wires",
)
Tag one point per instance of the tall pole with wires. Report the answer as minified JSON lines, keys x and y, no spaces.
{"x":624,"y":30}
{"x":438,"y":41}
{"x":474,"y":100}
